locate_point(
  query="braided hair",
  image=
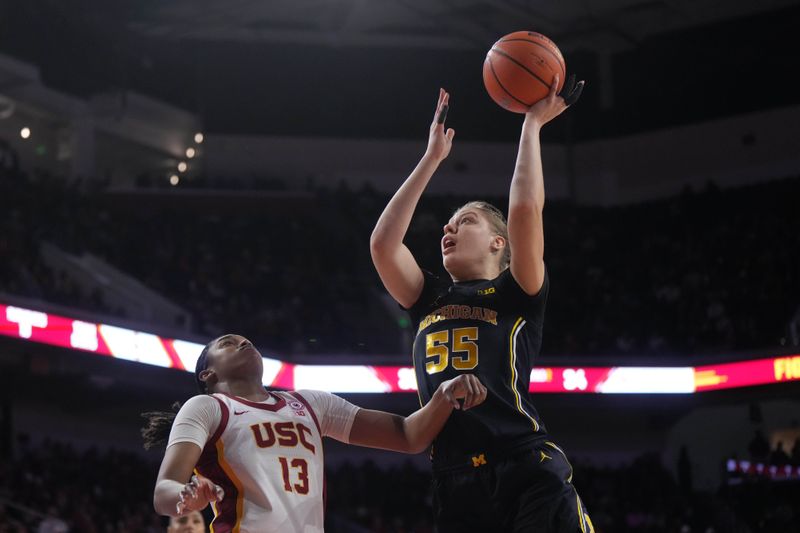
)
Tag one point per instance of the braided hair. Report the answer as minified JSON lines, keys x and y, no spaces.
{"x":159,"y":423}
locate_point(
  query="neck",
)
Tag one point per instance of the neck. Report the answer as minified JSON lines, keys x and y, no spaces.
{"x":243,"y":388}
{"x":481,"y":272}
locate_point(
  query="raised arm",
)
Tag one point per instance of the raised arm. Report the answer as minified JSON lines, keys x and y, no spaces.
{"x":526,"y":198}
{"x":413,"y":434}
{"x":393,"y":260}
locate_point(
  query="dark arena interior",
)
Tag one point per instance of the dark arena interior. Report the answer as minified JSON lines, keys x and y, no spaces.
{"x":174,"y":171}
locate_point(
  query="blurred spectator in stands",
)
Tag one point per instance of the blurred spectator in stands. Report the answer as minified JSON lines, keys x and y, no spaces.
{"x":51,"y":523}
{"x":758,"y":447}
{"x":779,"y":457}
{"x":189,"y":523}
{"x":796,"y":452}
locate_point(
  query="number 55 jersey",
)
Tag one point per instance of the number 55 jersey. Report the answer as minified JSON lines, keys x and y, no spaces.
{"x":490,"y":328}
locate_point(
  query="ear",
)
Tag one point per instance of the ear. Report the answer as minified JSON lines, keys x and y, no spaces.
{"x":208,"y":376}
{"x":498,"y":243}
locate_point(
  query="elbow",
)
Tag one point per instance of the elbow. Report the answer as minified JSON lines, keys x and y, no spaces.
{"x":417,"y":448}
{"x":157,"y":506}
{"x":161,"y":507}
{"x":527,"y":207}
{"x":378,"y":244}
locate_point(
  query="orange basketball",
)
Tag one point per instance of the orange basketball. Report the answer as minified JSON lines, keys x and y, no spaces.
{"x":519,"y":70}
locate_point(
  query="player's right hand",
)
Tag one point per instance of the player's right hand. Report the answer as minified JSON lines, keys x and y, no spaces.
{"x":466,"y":386}
{"x":197,"y":494}
{"x":439,"y":140}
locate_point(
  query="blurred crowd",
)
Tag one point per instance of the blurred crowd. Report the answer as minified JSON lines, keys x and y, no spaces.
{"x":699,"y":272}
{"x":52,"y":487}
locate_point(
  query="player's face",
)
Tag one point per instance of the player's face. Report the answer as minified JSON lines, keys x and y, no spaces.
{"x":190,"y":523}
{"x":468,"y":242}
{"x":234,"y":356}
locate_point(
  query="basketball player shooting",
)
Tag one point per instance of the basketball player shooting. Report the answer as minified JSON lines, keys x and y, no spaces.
{"x":495,"y":467}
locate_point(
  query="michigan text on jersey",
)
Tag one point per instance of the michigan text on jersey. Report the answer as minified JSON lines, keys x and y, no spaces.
{"x":464,"y":312}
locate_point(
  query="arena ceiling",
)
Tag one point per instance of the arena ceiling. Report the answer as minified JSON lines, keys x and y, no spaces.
{"x":368,"y":68}
{"x":447,"y":24}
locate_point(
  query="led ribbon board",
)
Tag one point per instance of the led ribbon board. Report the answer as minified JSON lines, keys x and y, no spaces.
{"x":147,"y":348}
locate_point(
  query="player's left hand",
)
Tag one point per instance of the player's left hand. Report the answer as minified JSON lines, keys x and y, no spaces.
{"x":554,"y":103}
{"x":467,"y":387}
{"x":197,"y":494}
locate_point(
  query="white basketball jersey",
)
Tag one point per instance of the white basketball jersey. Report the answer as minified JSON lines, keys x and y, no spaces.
{"x":268,"y":458}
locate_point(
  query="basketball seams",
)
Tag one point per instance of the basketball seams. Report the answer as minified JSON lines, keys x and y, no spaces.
{"x":507,"y":74}
{"x":497,"y":79}
{"x":520,"y":65}
{"x":557,"y":56}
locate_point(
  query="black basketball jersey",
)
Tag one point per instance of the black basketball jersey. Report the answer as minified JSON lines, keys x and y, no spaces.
{"x":490,"y":328}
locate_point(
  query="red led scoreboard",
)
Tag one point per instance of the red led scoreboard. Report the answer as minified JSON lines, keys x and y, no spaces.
{"x":147,"y":348}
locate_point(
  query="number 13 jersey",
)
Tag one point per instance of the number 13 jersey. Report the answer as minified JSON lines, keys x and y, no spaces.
{"x":267,"y":456}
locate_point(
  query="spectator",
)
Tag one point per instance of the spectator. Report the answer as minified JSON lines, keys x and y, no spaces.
{"x":759,"y":447}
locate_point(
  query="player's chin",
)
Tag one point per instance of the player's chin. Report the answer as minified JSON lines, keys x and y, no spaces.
{"x":451,"y":264}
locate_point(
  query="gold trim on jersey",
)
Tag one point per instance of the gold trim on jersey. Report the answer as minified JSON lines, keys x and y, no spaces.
{"x":580,"y":513}
{"x":236,"y":483}
{"x":512,"y":349}
{"x":419,"y":385}
{"x":555,"y":447}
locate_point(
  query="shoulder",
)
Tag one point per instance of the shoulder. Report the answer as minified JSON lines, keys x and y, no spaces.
{"x":202,"y":405}
{"x":201,"y":401}
{"x":508,"y":288}
{"x":320,"y":401}
{"x":334,"y":414}
{"x":433,"y":288}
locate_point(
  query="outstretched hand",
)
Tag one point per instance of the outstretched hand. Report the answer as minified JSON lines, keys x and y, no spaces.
{"x":439,"y":140}
{"x":466,"y":386}
{"x":554,"y":103}
{"x":197,"y":494}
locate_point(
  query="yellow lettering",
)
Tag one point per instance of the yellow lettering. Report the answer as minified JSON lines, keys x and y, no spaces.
{"x":490,"y":316}
{"x":780,"y":369}
{"x":787,"y":368}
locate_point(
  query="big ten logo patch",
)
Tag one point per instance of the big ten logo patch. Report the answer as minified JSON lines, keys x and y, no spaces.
{"x":486,"y":292}
{"x":286,"y":434}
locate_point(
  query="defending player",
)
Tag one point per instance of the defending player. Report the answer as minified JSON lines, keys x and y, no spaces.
{"x":495,"y":468}
{"x":257,"y":455}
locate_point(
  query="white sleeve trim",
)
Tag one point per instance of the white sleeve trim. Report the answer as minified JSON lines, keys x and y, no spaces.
{"x":197,"y":420}
{"x":335,"y":414}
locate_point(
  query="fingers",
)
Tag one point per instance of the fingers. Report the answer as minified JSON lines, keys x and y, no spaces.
{"x":571,"y":91}
{"x":211,"y":491}
{"x":472,"y":392}
{"x":569,"y":86}
{"x":476,"y":394}
{"x":196,"y":494}
{"x":442,"y":106}
{"x":450,"y":134}
{"x":572,"y":97}
{"x":450,"y":396}
{"x":442,"y":115}
{"x":443,"y":109}
{"x":554,"y":86}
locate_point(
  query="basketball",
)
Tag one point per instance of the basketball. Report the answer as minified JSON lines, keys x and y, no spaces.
{"x":519,"y":70}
